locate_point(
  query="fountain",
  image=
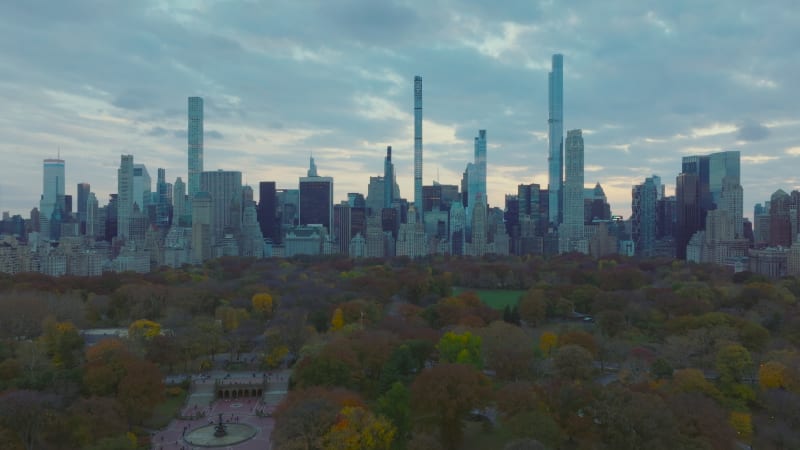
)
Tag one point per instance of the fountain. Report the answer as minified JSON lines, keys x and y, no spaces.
{"x":220,"y":429}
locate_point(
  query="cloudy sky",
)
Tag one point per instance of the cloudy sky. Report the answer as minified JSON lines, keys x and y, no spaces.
{"x":647,"y":81}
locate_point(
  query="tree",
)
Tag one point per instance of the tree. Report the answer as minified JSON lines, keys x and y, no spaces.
{"x":631,"y":420}
{"x":337,"y":322}
{"x":141,"y":389}
{"x":547,"y":342}
{"x":464,"y":348}
{"x":445,"y":394}
{"x":395,"y":404}
{"x":508,"y":350}
{"x":742,"y":423}
{"x":358,"y":429}
{"x":305,"y":416}
{"x":262,"y":304}
{"x":144,"y":329}
{"x":579,"y":337}
{"x":573,"y":362}
{"x":533,"y":307}
{"x":27,"y":413}
{"x":63,"y":343}
{"x":773,"y":375}
{"x":734,"y":364}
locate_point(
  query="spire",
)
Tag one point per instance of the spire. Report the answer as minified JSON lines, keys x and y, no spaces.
{"x":312,"y":168}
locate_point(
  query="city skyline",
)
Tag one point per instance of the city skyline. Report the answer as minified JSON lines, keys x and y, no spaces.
{"x":640,"y":110}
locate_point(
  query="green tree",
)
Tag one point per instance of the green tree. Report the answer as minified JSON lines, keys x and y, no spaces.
{"x":533,"y":307}
{"x":396,"y":405}
{"x":464,"y":348}
{"x":734,"y":364}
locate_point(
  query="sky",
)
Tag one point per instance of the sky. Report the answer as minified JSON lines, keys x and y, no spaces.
{"x":647,"y":81}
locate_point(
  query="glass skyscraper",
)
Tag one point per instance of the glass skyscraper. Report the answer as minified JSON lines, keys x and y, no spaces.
{"x":418,"y":145}
{"x":195,"y":134}
{"x":555,"y":159}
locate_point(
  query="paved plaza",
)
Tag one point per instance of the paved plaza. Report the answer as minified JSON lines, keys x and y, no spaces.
{"x":202,"y":411}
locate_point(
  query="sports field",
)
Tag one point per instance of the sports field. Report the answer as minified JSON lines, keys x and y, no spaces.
{"x":496,"y":298}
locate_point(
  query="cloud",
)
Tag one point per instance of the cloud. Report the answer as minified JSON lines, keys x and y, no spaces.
{"x":752,"y":131}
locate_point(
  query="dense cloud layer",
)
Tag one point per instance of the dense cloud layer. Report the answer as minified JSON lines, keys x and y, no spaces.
{"x":647,"y":82}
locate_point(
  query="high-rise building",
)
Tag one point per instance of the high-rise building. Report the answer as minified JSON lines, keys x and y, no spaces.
{"x":316,"y":199}
{"x":342,"y":221}
{"x":125,"y":197}
{"x":163,"y":203}
{"x":573,"y":214}
{"x":268,"y":211}
{"x":388,"y":174}
{"x":780,"y":223}
{"x":83,"y":196}
{"x":180,"y":213}
{"x":480,"y":167}
{"x":555,"y":121}
{"x":688,"y":211}
{"x":418,"y":145}
{"x":195,"y":134}
{"x":53,"y":185}
{"x":202,"y":235}
{"x":643,"y":220}
{"x":225,"y":189}
{"x":142,"y":186}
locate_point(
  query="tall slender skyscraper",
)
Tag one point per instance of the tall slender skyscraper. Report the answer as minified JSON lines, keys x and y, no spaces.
{"x":388,"y":179}
{"x":195,"y":134}
{"x":555,"y":159}
{"x":83,"y":197}
{"x":480,"y":166}
{"x":418,"y":145}
{"x":125,"y":198}
{"x":571,"y":231}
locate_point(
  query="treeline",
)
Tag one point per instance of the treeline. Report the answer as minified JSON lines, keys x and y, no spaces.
{"x":617,"y":353}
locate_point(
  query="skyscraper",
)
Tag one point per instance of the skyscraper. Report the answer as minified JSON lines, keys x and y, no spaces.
{"x":180,"y":214}
{"x":125,"y":198}
{"x":52,"y":186}
{"x":418,"y":145}
{"x":480,"y":166}
{"x":225,"y":189}
{"x":388,"y":179}
{"x":195,"y":134}
{"x":83,"y":197}
{"x":571,"y":232}
{"x":142,"y":187}
{"x":268,"y":211}
{"x":316,"y":199}
{"x":644,"y":199}
{"x":555,"y":159}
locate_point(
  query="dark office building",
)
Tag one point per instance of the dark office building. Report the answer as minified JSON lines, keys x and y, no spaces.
{"x":316,"y":201}
{"x":689,"y":214}
{"x":268,"y":211}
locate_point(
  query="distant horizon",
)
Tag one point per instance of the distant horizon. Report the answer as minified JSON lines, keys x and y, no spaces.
{"x":646,"y":86}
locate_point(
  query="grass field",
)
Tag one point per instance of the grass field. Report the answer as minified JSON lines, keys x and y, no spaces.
{"x":495,"y":298}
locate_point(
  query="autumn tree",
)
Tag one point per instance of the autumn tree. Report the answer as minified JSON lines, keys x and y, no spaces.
{"x":357,"y":428}
{"x":533,"y":307}
{"x":143,"y":330}
{"x":27,"y":413}
{"x":63,"y":343}
{"x":305,"y":416}
{"x":337,"y":321}
{"x":262,"y":303}
{"x":573,"y":362}
{"x":547,"y":342}
{"x":773,"y":375}
{"x":445,"y":393}
{"x":395,"y":404}
{"x":508,"y":350}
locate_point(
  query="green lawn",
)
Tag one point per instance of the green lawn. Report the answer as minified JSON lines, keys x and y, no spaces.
{"x":496,"y":298}
{"x":166,"y":411}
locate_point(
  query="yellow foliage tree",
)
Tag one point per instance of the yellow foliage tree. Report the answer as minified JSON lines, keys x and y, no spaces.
{"x":144,"y":329}
{"x":337,"y":322}
{"x":742,"y":423}
{"x":773,"y":375}
{"x":231,"y":317}
{"x":275,"y":356}
{"x":547,"y":342}
{"x":359,"y":429}
{"x":263,"y":303}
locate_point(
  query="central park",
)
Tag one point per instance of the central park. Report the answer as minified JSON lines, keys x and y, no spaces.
{"x":444,"y":353}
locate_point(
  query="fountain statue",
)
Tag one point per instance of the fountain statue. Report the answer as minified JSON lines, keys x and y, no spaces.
{"x":220,"y":429}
